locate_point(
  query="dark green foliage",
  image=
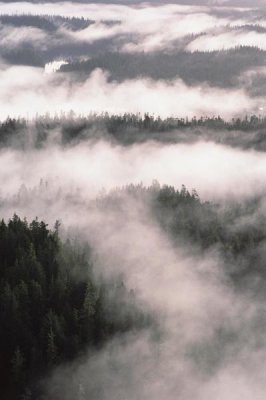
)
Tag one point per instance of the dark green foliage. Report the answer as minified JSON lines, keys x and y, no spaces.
{"x":236,"y":231}
{"x":33,"y":53}
{"x":51,"y":309}
{"x":24,"y":55}
{"x":128,"y":129}
{"x":221,"y":68}
{"x":48,"y":23}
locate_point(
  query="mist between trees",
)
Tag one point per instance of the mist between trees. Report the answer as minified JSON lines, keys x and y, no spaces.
{"x":88,"y":308}
{"x":132,"y":243}
{"x":140,"y":290}
{"x":69,"y":129}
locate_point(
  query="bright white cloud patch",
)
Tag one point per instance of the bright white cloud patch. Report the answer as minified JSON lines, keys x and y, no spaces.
{"x":216,"y":171}
{"x":54,"y":66}
{"x":11,"y":37}
{"x":147,"y":27}
{"x":21,"y":86}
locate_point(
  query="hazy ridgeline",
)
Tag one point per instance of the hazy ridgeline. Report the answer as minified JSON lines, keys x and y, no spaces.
{"x":132,"y":200}
{"x":129,"y":129}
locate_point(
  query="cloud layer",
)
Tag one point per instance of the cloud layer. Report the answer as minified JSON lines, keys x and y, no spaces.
{"x":150,"y":28}
{"x":210,"y":339}
{"x":21,"y":86}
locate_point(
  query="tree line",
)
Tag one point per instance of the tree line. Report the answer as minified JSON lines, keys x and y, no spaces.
{"x":248,"y":132}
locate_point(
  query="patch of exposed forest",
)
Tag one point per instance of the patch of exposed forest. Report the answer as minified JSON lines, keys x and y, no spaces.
{"x":219,"y":68}
{"x":237,"y":230}
{"x":127,"y":129}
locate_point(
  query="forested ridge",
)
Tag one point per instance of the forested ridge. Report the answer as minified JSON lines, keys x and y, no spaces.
{"x":221,"y":68}
{"x":46,"y":22}
{"x":127,"y":129}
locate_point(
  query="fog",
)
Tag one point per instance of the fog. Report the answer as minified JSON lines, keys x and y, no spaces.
{"x":211,"y":336}
{"x":216,"y":171}
{"x":148,"y":27}
{"x":98,"y":95}
{"x":128,"y":29}
{"x":206,"y":301}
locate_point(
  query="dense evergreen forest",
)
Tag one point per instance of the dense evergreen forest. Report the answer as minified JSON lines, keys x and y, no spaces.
{"x":53,"y":309}
{"x":48,"y":23}
{"x":127,"y":129}
{"x":221,"y":68}
{"x":184,"y":216}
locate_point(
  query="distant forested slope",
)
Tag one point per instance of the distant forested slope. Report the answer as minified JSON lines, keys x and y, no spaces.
{"x":221,"y":68}
{"x":66,"y":38}
{"x":127,"y":129}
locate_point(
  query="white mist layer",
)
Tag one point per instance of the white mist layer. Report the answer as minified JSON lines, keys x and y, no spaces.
{"x":185,"y":289}
{"x":146,"y":27}
{"x":217,"y":172}
{"x":55,"y":93}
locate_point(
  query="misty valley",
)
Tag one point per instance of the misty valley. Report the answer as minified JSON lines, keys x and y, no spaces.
{"x":132,"y":200}
{"x":57,"y":304}
{"x":98,"y":277}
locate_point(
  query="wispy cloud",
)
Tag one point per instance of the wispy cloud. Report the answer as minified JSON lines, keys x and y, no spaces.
{"x":146,"y":27}
{"x":21,"y":86}
{"x":207,"y":329}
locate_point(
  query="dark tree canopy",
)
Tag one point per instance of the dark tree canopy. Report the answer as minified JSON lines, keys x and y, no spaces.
{"x":51,"y":309}
{"x":128,"y":129}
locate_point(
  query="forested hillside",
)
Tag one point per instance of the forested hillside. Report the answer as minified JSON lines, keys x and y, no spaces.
{"x":52,"y":309}
{"x":221,"y":68}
